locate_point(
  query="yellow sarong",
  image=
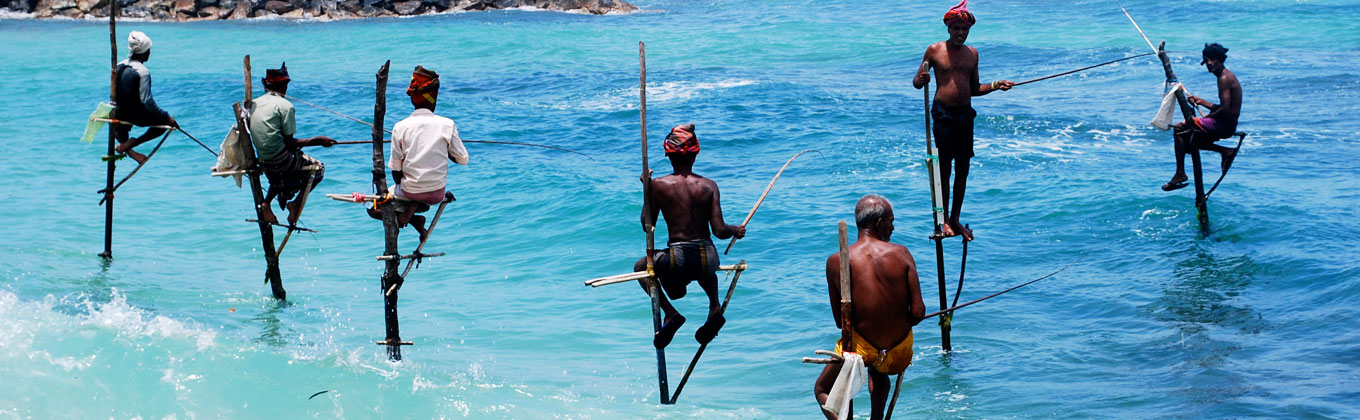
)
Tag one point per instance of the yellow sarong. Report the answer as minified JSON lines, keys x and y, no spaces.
{"x":889,"y":362}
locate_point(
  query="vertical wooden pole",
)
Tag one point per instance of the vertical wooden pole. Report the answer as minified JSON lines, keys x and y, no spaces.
{"x":937,"y":208}
{"x":271,"y":257}
{"x":649,"y":225}
{"x":847,"y":309}
{"x":389,"y":217}
{"x":113,"y":99}
{"x":1188,"y":111}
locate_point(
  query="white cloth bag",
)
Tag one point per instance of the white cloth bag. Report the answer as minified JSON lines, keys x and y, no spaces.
{"x":848,"y":384}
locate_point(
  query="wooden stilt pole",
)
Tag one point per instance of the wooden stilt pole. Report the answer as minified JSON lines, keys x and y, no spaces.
{"x":389,"y":217}
{"x":649,"y":225}
{"x":1187,"y":111}
{"x":271,"y":257}
{"x":113,"y":99}
{"x":847,"y":309}
{"x":937,"y":208}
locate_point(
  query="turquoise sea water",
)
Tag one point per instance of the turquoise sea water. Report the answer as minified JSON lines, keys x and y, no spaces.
{"x":1257,"y":319}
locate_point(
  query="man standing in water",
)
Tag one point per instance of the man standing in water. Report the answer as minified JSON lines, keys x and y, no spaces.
{"x":690,"y":204}
{"x":956,"y":72}
{"x":272,"y":126}
{"x":1221,"y":122}
{"x":887,"y":303}
{"x":134,"y":101}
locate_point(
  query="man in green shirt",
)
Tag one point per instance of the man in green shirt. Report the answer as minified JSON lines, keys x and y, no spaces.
{"x":272,"y":130}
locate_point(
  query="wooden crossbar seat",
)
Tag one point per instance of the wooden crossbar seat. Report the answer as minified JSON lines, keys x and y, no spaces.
{"x":639,"y":275}
{"x":409,"y":256}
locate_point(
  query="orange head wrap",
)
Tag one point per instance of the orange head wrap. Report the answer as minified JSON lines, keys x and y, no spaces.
{"x":682,"y":140}
{"x":424,"y":86}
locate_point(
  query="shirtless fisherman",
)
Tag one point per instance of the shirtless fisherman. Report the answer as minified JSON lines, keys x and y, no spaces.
{"x":134,"y":102}
{"x":1221,"y":122}
{"x":956,"y":70}
{"x":272,"y":126}
{"x":691,"y":207}
{"x":422,"y":146}
{"x":887,"y":303}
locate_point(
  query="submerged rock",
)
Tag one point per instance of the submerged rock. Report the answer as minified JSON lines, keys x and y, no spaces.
{"x":187,"y":10}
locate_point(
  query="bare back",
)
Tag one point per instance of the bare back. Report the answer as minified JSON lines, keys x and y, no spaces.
{"x":956,"y":76}
{"x":690,"y":204}
{"x":886,"y":294}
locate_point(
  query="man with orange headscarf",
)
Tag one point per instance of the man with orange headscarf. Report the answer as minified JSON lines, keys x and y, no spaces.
{"x":422,"y":146}
{"x":956,"y":72}
{"x":693,"y":211}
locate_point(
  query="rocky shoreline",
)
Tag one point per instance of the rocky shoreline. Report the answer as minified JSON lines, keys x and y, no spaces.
{"x":194,"y":10}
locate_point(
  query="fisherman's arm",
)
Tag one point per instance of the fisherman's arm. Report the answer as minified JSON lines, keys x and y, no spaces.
{"x":918,"y":306}
{"x":720,"y":227}
{"x":833,"y":284}
{"x":923,"y":72}
{"x":322,"y":141}
{"x":980,"y":89}
{"x":649,"y":207}
{"x":457,"y":152}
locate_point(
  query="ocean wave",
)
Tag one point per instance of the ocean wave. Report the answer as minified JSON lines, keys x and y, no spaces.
{"x":625,"y":99}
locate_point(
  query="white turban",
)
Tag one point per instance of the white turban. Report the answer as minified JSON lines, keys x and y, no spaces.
{"x":138,"y":42}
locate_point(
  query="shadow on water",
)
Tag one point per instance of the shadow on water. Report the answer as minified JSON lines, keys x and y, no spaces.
{"x":1212,"y":329}
{"x":272,"y":332}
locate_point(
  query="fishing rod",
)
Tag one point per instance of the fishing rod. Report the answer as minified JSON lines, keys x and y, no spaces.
{"x":370,"y":125}
{"x":1084,"y":68}
{"x":1083,"y":256}
{"x":191,"y":137}
{"x":767,"y":192}
{"x":483,"y":141}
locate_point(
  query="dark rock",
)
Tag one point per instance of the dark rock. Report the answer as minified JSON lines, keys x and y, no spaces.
{"x":277,"y":7}
{"x":406,"y":8}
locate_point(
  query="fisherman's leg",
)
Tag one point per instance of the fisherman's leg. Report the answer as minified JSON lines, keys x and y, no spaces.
{"x":825,"y":381}
{"x":150,"y":134}
{"x":666,"y":308}
{"x":879,"y":388}
{"x":960,"y":184}
{"x":946,"y":163}
{"x":715,"y":320}
{"x":1227,"y":154}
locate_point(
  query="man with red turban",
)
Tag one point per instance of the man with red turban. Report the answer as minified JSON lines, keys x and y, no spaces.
{"x":422,"y":146}
{"x":272,"y":131}
{"x":956,"y":73}
{"x":691,"y":206}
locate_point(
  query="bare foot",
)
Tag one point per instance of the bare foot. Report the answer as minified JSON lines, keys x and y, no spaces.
{"x":963,"y":230}
{"x":267,"y":215}
{"x":1228,"y":157}
{"x":140,"y":158}
{"x":947,"y":231}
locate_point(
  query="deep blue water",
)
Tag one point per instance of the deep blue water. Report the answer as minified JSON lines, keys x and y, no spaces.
{"x":1256,"y":319}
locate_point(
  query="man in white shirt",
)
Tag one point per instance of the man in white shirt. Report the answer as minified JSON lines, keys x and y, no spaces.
{"x":422,"y":146}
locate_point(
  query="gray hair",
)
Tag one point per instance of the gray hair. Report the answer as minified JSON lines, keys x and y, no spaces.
{"x":871,"y":209}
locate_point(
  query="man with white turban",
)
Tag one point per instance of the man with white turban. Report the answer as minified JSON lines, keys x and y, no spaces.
{"x":132,"y":96}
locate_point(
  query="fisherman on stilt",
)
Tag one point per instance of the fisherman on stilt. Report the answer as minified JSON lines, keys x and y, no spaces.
{"x":272,"y":130}
{"x":1220,"y":123}
{"x":887,"y":304}
{"x":690,"y":203}
{"x":422,"y":146}
{"x":134,"y":102}
{"x":956,"y":72}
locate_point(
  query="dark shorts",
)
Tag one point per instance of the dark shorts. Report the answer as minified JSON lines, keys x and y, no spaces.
{"x":286,"y":175}
{"x":684,"y":262}
{"x":953,"y":130}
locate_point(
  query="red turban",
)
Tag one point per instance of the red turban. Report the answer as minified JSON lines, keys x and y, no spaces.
{"x":424,"y":86}
{"x":960,"y":12}
{"x":682,"y":140}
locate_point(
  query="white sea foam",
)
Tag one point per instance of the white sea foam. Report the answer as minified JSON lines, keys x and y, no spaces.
{"x":627,"y":98}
